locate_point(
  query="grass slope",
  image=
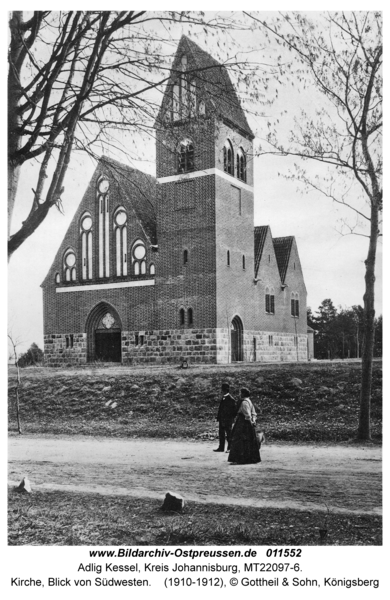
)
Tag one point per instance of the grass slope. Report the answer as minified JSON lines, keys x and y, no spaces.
{"x":295,"y":402}
{"x":71,"y":519}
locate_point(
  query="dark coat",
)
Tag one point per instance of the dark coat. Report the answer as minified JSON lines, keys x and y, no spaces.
{"x":227,"y":409}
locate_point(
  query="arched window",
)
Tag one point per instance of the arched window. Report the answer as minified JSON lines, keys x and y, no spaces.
{"x":104,"y":227}
{"x":185,"y":257}
{"x":86,"y":245}
{"x":182,"y":316}
{"x":120,"y":232}
{"x":241,"y":165}
{"x":294,"y":304}
{"x":69,"y":266}
{"x":228,"y":258}
{"x":138,"y":258}
{"x":152,"y":269}
{"x":57,"y":278}
{"x":243,"y":261}
{"x":228,"y":158}
{"x":186,"y":156}
{"x":190,"y":316}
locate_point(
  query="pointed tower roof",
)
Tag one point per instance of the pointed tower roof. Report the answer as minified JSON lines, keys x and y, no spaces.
{"x":213,"y":78}
{"x":282,"y":248}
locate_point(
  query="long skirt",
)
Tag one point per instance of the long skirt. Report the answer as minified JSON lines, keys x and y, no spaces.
{"x":244,"y":448}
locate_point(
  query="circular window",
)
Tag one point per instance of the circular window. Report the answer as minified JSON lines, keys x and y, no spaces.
{"x":120,"y":217}
{"x":70,"y":259}
{"x":86,"y":223}
{"x":104,"y":184}
{"x":139,"y":252}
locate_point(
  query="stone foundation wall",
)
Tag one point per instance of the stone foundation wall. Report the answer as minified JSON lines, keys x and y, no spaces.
{"x":169,"y":346}
{"x":176,"y":345}
{"x":270,"y":347}
{"x":65,"y":349}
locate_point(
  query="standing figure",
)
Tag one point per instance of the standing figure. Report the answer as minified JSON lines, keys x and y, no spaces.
{"x":244,"y":444}
{"x":226,"y":413}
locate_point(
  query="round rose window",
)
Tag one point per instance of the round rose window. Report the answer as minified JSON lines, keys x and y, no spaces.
{"x":139,"y":252}
{"x":120,"y":217}
{"x":70,"y":259}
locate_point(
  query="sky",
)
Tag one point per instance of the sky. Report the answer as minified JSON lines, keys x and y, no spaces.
{"x":333,"y":265}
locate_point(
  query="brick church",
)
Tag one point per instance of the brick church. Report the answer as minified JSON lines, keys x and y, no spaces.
{"x":166,"y":269}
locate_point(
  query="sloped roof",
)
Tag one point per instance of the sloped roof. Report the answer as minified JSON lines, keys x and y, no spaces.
{"x":282,"y":248}
{"x":142,"y":202}
{"x":260,"y":236}
{"x":215,"y":81}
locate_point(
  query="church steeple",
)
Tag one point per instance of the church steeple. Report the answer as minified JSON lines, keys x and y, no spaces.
{"x":200,"y":85}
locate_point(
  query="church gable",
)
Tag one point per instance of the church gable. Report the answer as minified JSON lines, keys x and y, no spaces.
{"x":293,"y":273}
{"x":266,"y":267}
{"x":282,"y":248}
{"x":116,"y":213}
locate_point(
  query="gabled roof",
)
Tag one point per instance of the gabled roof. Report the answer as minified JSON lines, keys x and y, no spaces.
{"x":260,"y":236}
{"x":142,"y":202}
{"x":282,"y":248}
{"x":214,"y":79}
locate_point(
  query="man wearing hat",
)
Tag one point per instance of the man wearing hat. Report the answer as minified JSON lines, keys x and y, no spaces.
{"x":226,"y":414}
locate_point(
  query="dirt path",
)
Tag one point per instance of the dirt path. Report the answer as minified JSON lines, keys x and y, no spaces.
{"x":306,"y":477}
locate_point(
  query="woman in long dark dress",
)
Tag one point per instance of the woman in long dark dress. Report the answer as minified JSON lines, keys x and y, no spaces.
{"x":244,"y":448}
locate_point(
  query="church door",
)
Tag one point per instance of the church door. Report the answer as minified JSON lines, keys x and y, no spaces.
{"x":104,"y":334}
{"x":108,"y":346}
{"x":236,"y":339}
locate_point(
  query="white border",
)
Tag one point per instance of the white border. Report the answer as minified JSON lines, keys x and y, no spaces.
{"x":106,"y":286}
{"x":204,"y":173}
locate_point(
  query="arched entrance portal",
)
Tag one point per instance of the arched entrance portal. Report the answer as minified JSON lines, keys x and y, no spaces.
{"x":104,"y":330}
{"x":236,"y":339}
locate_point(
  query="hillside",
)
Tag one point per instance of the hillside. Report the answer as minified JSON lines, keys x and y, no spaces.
{"x":295,"y":402}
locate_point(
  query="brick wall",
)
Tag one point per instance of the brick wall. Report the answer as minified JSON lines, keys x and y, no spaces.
{"x":234,"y":234}
{"x":186,"y":222}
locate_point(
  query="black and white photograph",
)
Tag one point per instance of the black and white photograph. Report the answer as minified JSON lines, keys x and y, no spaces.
{"x":195,"y":292}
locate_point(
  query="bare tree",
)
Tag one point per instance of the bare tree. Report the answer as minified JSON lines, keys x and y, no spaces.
{"x":341,"y":55}
{"x":14,"y":355}
{"x":75,"y":78}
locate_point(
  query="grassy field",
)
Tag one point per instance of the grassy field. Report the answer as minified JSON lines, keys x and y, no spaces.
{"x":295,"y":402}
{"x":72,"y":519}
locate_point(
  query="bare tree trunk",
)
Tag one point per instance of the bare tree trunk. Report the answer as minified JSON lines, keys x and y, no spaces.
{"x":17,"y":402}
{"x":14,"y":121}
{"x":15,"y":354}
{"x":364,"y":429}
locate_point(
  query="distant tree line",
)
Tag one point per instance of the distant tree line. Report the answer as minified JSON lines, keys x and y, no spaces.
{"x":338,"y":332}
{"x":33,"y":357}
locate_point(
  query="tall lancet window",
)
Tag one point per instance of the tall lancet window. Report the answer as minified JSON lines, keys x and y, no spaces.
{"x":192,"y":98}
{"x":183,"y":94}
{"x":228,"y":158}
{"x":69,"y":266}
{"x":86,"y":245}
{"x":104,"y":228}
{"x":120,"y":229}
{"x":241,"y":165}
